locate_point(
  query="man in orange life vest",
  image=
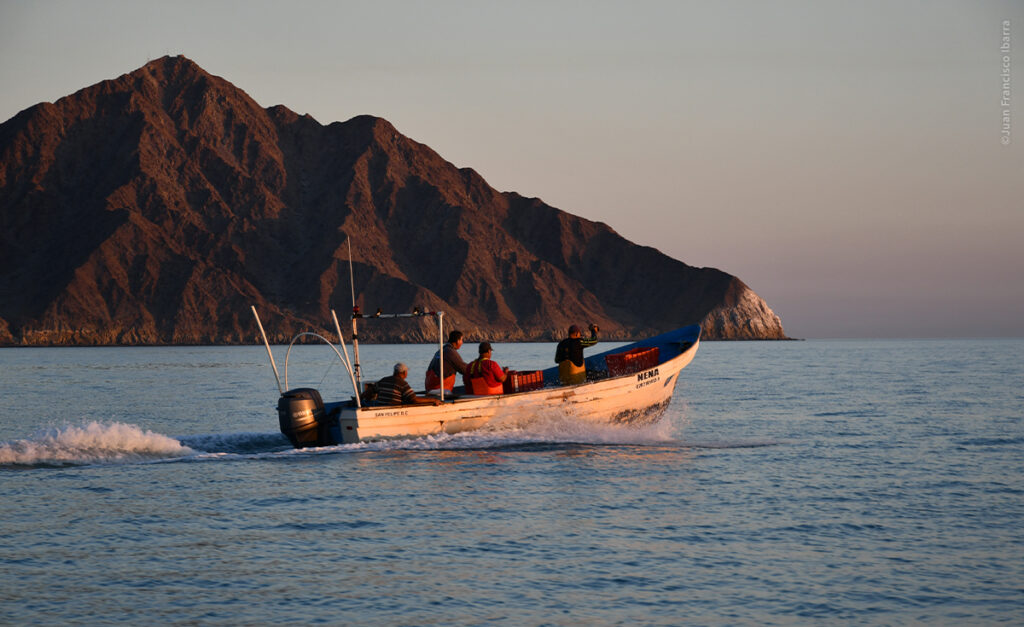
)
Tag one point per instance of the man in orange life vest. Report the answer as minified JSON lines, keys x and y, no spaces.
{"x":453,"y":364}
{"x":569,"y":355}
{"x":484,"y":376}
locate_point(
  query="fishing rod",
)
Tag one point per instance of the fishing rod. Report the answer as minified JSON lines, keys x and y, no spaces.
{"x":273,"y":365}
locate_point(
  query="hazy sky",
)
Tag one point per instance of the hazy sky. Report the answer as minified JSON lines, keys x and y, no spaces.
{"x":845,"y":159}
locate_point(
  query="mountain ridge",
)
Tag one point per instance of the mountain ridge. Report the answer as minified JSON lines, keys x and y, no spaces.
{"x":155,"y":207}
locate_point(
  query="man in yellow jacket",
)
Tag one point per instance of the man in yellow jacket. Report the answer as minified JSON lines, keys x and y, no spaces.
{"x":569,"y":355}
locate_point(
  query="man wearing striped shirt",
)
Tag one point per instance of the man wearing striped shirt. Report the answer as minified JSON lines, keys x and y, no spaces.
{"x":395,"y":390}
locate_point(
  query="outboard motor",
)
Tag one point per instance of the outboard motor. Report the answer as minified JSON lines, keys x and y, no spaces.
{"x":302,"y":417}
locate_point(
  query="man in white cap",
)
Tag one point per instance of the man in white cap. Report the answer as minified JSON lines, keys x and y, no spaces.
{"x":395,"y":390}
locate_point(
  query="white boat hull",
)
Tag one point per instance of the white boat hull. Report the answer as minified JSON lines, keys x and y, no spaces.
{"x":636,"y":397}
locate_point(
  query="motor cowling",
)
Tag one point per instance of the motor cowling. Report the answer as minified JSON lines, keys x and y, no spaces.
{"x":302,"y":417}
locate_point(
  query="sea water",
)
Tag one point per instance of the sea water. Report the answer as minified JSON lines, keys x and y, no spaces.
{"x":870,"y":482}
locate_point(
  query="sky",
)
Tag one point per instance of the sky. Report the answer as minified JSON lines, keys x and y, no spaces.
{"x":852,"y":162}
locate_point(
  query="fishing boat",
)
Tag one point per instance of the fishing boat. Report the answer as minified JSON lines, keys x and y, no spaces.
{"x":628,"y":384}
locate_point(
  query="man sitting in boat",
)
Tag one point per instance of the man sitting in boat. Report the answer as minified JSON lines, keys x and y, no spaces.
{"x":484,"y":376}
{"x":453,"y":364}
{"x":569,"y":355}
{"x":395,"y":390}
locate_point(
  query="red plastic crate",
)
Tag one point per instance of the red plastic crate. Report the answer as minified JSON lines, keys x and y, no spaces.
{"x":523,"y":381}
{"x":632,"y":361}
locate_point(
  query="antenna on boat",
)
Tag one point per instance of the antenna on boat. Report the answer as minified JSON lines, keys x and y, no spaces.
{"x":357,"y":374}
{"x":351,"y":280}
{"x":269,"y":354}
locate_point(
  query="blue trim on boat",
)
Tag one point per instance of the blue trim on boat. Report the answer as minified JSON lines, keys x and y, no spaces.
{"x":670,"y":345}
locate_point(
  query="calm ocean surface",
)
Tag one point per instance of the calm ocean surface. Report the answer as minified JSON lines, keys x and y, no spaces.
{"x":865,"y":482}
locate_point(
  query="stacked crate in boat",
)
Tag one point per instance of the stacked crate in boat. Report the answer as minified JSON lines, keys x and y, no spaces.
{"x":635,"y":360}
{"x":523,"y":381}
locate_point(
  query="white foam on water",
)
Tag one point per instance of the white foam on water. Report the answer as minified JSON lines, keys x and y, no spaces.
{"x":104,"y":443}
{"x":553,"y":427}
{"x":90,"y":443}
{"x":550,"y":427}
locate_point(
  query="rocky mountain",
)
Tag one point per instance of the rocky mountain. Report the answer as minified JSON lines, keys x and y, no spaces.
{"x":157,"y":207}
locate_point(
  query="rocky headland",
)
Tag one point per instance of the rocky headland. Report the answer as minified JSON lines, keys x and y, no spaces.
{"x":156,"y":207}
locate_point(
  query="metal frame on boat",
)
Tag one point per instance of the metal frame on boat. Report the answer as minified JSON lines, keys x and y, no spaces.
{"x":632,"y":395}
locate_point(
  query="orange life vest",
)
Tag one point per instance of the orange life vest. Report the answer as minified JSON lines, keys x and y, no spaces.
{"x":434,"y":383}
{"x":477,"y":383}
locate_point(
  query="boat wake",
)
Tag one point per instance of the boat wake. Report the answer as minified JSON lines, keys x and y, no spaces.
{"x":90,"y":443}
{"x":97,"y":443}
{"x":554,"y":428}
